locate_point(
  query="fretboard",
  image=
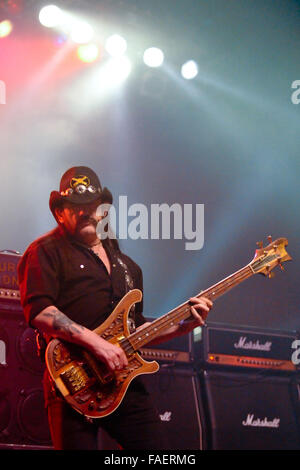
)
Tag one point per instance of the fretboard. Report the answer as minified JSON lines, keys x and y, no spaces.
{"x":139,"y":338}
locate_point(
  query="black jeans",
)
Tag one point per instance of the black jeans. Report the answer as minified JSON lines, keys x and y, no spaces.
{"x":135,"y":425}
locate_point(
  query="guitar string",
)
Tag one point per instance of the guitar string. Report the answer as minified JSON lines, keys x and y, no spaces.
{"x":180,"y":313}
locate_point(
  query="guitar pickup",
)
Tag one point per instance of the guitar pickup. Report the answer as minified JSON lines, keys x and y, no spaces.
{"x":98,"y":369}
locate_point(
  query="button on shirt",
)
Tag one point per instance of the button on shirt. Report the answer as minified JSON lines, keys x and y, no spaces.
{"x":57,"y":270}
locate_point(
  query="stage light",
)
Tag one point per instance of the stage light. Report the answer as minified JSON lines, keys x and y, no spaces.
{"x":117,"y":70}
{"x":50,"y":16}
{"x":5,"y":28}
{"x":189,"y":70}
{"x":88,"y":52}
{"x":153,"y":57}
{"x":81,"y":32}
{"x":115,"y":45}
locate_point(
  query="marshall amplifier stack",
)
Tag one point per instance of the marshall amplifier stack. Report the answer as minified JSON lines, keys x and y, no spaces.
{"x":23,"y":420}
{"x":250,"y":388}
{"x":224,"y":346}
{"x":250,"y":411}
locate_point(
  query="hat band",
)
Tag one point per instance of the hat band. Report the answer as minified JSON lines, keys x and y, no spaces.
{"x":80,"y":189}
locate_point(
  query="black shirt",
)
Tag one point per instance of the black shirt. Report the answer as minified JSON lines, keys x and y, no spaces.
{"x":57,"y":270}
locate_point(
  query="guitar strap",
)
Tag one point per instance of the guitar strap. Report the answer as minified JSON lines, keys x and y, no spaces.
{"x":129,"y":285}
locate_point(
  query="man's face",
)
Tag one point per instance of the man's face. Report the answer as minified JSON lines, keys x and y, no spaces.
{"x":79,"y":220}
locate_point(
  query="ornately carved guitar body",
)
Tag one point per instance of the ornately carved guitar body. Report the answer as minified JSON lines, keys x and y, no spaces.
{"x":89,"y":387}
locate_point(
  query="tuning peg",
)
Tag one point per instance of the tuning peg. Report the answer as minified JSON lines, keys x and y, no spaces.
{"x":270,"y":238}
{"x":271,"y":274}
{"x":259,"y":244}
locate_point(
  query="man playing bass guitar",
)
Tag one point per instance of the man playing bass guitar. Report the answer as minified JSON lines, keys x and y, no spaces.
{"x":70,"y":282}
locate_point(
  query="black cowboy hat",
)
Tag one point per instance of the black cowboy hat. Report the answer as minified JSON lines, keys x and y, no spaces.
{"x":79,"y":185}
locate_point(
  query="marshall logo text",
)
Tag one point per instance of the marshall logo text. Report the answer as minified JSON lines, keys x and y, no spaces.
{"x":257,"y":422}
{"x":166,"y":416}
{"x":243,"y":343}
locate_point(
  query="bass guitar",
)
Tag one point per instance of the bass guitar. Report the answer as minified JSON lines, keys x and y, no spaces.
{"x":90,"y":387}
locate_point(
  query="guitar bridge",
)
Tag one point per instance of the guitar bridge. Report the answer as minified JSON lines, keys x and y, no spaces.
{"x":75,"y":379}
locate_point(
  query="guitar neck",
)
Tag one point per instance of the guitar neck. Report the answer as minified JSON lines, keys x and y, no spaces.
{"x":175,"y":316}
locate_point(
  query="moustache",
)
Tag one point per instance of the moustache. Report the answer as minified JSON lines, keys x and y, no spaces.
{"x":86,"y":220}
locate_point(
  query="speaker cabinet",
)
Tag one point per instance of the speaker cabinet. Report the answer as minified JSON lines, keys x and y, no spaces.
{"x":251,"y":411}
{"x":175,"y":393}
{"x":23,"y":419}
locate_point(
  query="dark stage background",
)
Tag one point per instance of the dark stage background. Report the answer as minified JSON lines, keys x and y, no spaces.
{"x":229,"y":139}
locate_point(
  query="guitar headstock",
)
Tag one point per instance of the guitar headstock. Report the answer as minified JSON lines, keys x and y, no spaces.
{"x":267,"y":258}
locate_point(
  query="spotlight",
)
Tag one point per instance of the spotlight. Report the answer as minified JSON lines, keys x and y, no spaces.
{"x":153,"y":57}
{"x":50,"y":16}
{"x":117,"y":70}
{"x":189,"y":70}
{"x":88,"y":52}
{"x":81,"y":32}
{"x":115,"y":45}
{"x":5,"y":28}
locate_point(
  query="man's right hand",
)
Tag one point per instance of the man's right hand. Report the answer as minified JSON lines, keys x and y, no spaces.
{"x":56,"y":324}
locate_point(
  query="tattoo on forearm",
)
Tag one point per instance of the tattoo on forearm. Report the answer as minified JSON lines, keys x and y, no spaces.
{"x":62,"y":323}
